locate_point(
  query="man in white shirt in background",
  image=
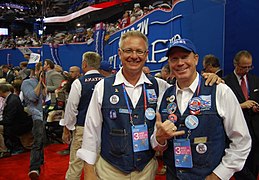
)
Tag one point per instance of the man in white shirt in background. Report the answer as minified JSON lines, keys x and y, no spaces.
{"x":76,"y":108}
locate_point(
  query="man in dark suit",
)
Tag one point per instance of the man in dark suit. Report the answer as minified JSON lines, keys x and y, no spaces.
{"x":211,"y":65}
{"x":15,"y":120}
{"x":249,"y":102}
{"x":8,"y":74}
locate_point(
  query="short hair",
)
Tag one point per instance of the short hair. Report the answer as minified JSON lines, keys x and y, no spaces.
{"x":212,"y":60}
{"x":16,"y":84}
{"x":92,"y":59}
{"x":5,"y":66}
{"x":11,"y":88}
{"x":75,"y":67}
{"x":24,"y":63}
{"x":146,"y":70}
{"x":133,"y":34}
{"x":50,"y":63}
{"x":240,"y":54}
{"x":166,"y":68}
{"x":4,"y":88}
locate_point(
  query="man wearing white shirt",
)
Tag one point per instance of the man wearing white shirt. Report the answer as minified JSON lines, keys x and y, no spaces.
{"x":212,"y":141}
{"x":121,"y":118}
{"x":76,"y":108}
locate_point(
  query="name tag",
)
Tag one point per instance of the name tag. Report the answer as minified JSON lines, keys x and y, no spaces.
{"x":124,"y":111}
{"x":140,"y":138}
{"x":182,"y":153}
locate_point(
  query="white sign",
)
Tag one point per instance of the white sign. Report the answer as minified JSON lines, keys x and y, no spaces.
{"x":34,"y":58}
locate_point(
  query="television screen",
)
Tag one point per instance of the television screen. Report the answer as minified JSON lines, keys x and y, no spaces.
{"x":3,"y":31}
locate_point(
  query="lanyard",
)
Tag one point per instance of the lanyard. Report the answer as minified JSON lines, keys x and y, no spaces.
{"x":199,"y":86}
{"x":127,"y":102}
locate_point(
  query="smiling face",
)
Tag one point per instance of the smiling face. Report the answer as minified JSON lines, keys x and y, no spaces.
{"x":133,"y":53}
{"x":183,"y":65}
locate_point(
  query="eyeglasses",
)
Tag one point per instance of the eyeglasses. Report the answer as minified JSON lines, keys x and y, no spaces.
{"x":129,"y":52}
{"x":246,"y":67}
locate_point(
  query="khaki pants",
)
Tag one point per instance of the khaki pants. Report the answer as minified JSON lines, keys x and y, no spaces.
{"x":106,"y":171}
{"x":76,"y":164}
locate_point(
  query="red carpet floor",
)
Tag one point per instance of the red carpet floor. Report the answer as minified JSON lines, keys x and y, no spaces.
{"x":17,"y":167}
{"x":55,"y":166}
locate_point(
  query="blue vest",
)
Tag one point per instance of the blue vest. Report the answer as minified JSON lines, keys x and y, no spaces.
{"x":88,"y":83}
{"x":210,"y":126}
{"x":116,"y":145}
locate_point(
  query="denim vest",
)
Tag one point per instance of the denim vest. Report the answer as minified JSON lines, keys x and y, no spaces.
{"x":116,"y":145}
{"x":210,"y":126}
{"x":88,"y":83}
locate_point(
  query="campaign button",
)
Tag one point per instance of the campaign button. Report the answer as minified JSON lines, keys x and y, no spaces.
{"x":171,"y":98}
{"x":201,"y":148}
{"x":113,"y":114}
{"x":195,"y":104}
{"x":171,"y":108}
{"x":191,"y":122}
{"x":172,"y":117}
{"x":150,"y":113}
{"x":114,"y":99}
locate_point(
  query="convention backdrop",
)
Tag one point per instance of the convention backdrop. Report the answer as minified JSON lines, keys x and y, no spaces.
{"x":216,"y":27}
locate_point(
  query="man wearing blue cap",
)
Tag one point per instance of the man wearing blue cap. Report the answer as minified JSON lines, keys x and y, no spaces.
{"x":121,"y":118}
{"x":203,"y":116}
{"x":105,"y":68}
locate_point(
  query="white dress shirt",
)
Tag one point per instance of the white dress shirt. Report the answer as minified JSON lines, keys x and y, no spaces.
{"x":93,"y":123}
{"x":234,"y":123}
{"x":72,"y":103}
{"x":239,"y":78}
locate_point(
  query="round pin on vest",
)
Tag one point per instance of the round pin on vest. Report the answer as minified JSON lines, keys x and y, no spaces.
{"x":114,"y":99}
{"x":150,"y":113}
{"x":191,"y":122}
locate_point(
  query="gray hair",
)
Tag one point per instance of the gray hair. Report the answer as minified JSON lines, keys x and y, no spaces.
{"x":133,"y":34}
{"x":92,"y":59}
{"x":241,"y":54}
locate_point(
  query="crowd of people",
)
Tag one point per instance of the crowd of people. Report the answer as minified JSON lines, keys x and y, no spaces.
{"x":12,"y":10}
{"x":203,"y":124}
{"x":205,"y":127}
{"x":80,"y":35}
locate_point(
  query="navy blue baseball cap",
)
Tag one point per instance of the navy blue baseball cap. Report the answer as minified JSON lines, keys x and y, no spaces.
{"x":106,"y":66}
{"x":182,"y":43}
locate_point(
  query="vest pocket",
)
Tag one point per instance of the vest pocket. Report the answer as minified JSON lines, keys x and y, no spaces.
{"x":201,"y":157}
{"x":118,"y":142}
